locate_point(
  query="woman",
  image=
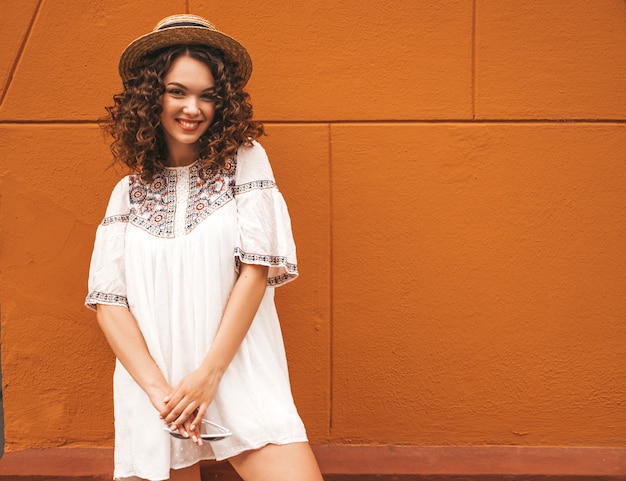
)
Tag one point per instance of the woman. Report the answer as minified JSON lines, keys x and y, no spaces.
{"x":185,"y":263}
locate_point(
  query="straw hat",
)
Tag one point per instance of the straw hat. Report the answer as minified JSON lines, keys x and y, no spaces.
{"x":185,"y":30}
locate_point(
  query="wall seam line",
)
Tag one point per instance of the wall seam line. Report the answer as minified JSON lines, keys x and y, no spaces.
{"x":474,"y":60}
{"x":357,"y":122}
{"x":331,"y":284}
{"x":447,"y":121}
{"x":20,"y":52}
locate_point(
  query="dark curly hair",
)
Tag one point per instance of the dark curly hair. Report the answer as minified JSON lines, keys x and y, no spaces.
{"x":134,"y":119}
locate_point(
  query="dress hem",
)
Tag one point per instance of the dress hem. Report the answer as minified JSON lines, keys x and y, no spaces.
{"x":288,"y":440}
{"x":282,"y":442}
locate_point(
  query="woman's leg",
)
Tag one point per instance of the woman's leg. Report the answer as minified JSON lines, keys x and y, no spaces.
{"x":192,"y":473}
{"x":285,"y":462}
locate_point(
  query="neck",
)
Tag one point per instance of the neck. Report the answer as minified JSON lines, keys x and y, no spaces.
{"x":181,"y":157}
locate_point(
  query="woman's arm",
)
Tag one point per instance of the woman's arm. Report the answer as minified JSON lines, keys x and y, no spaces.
{"x":126,"y":340}
{"x":196,"y":391}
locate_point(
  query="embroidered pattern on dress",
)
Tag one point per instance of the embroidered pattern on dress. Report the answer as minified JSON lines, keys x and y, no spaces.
{"x":271,"y":261}
{"x":97,"y":297}
{"x":112,"y":219}
{"x":153,"y":205}
{"x":206,"y":196}
{"x":255,"y":184}
{"x":278,"y":280}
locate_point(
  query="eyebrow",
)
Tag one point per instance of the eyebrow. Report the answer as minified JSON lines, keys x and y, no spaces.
{"x":176,"y":84}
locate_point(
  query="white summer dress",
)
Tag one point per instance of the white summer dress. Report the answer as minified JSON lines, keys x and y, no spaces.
{"x":170,"y":251}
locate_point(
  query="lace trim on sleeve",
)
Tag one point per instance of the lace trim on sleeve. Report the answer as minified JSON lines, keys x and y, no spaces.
{"x":276,"y":262}
{"x":255,"y":184}
{"x":96,"y":297}
{"x":114,"y":219}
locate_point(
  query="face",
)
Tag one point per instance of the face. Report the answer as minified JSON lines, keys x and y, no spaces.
{"x":188,"y":107}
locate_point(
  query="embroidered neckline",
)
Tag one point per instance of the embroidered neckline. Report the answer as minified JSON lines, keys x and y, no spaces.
{"x":153,"y":205}
{"x":178,"y":199}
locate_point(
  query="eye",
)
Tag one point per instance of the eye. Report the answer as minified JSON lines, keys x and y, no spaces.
{"x":176,"y":92}
{"x":209,"y":95}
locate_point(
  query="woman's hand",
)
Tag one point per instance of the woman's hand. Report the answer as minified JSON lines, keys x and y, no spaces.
{"x":157,"y":397}
{"x":186,"y":405}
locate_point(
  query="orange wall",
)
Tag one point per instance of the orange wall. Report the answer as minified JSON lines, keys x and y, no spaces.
{"x":455,"y":174}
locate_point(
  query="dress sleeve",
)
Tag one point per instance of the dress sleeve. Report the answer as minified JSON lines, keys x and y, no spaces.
{"x":107,"y":282}
{"x":265,"y":235}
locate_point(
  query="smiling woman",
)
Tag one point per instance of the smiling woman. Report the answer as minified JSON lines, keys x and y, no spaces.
{"x":188,"y":108}
{"x":186,"y":259}
{"x":134,"y":121}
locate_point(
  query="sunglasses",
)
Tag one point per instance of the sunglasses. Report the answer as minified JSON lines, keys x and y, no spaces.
{"x":209,"y":431}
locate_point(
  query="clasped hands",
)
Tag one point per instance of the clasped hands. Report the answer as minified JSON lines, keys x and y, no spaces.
{"x":184,"y":406}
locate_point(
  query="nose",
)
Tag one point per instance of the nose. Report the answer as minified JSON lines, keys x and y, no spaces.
{"x":191,"y":107}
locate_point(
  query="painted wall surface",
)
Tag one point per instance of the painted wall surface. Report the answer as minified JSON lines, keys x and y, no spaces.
{"x":455,"y":173}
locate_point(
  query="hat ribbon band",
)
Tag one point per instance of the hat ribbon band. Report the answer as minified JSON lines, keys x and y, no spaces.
{"x":183,"y":24}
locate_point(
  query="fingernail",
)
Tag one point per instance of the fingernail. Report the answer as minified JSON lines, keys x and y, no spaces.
{"x":193,"y":427}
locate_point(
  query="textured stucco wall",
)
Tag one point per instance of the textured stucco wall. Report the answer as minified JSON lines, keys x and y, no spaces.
{"x":455,"y":174}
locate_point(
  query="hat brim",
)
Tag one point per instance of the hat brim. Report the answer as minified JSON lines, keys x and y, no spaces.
{"x":185,"y":35}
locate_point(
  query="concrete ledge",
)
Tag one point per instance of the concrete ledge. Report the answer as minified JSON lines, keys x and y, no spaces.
{"x":361,"y":463}
{"x":472,"y":463}
{"x":58,"y":464}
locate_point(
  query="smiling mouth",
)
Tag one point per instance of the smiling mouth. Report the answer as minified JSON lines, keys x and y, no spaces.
{"x":188,"y":124}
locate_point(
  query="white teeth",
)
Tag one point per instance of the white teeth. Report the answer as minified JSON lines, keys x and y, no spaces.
{"x":189,"y":125}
